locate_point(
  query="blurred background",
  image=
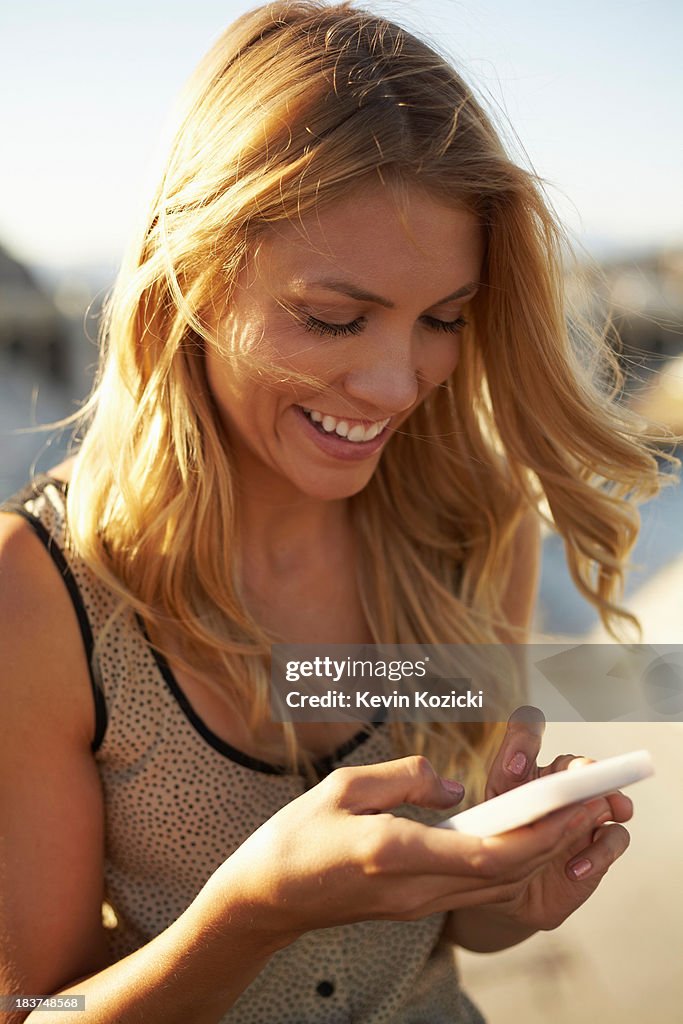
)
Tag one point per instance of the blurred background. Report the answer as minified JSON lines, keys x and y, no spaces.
{"x":589,"y":96}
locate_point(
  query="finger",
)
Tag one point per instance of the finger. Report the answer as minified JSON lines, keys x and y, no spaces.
{"x":609,"y":843}
{"x":434,"y":893}
{"x":380,"y":787}
{"x":474,"y":871}
{"x":620,"y":805}
{"x":612,"y":807}
{"x":421,"y":849}
{"x":583,"y":820}
{"x":515,"y":761}
{"x":446,"y":899}
{"x":564,"y":762}
{"x":576,"y":761}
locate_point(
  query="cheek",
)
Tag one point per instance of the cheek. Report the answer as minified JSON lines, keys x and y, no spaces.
{"x":228,"y":386}
{"x":232,"y":363}
{"x":441,"y":358}
{"x":217,"y":375}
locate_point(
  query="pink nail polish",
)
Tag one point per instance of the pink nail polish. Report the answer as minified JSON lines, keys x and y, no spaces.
{"x":581,"y":868}
{"x":517,"y":764}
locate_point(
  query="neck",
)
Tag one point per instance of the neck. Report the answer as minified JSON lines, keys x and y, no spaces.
{"x":283,"y":533}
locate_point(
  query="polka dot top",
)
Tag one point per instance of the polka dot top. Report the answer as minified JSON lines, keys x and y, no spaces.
{"x":179,"y":800}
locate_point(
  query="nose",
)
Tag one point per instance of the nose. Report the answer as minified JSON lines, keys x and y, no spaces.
{"x":384,"y":379}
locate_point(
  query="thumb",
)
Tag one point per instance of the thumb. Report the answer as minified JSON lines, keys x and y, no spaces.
{"x":515,"y":762}
{"x":407,"y":780}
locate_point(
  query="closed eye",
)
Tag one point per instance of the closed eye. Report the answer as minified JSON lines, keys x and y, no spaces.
{"x":312,"y":323}
{"x":449,"y":326}
{"x":325,"y":329}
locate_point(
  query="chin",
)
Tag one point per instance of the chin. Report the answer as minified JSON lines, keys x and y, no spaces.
{"x":335,"y":490}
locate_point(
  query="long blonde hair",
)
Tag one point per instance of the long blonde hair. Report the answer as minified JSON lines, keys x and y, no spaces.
{"x":296,"y":104}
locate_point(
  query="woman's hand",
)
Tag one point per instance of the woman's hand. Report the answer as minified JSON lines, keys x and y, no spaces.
{"x":334,"y":855}
{"x":558,"y":887}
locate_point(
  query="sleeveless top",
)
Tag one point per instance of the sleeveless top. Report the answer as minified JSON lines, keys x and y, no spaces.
{"x":179,"y":800}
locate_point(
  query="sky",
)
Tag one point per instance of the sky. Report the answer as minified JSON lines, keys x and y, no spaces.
{"x":591,"y":90}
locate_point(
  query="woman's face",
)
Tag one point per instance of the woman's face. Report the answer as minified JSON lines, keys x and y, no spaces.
{"x":365,"y":298}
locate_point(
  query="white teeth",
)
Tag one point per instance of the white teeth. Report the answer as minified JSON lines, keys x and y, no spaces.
{"x":355,"y":434}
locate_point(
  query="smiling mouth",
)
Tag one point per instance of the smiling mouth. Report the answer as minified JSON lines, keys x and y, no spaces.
{"x":341,"y":428}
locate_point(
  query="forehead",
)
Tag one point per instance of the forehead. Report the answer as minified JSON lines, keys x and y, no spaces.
{"x":372,"y":240}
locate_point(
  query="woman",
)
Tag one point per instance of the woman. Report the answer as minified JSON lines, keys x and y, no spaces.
{"x":336,"y":382}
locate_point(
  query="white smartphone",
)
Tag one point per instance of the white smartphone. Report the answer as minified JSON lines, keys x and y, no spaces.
{"x":533,"y":800}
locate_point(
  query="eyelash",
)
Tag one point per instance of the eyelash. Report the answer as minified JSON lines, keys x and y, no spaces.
{"x":356,"y":326}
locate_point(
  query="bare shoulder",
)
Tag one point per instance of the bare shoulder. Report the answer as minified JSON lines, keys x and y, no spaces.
{"x":38,"y":620}
{"x":51,"y":805}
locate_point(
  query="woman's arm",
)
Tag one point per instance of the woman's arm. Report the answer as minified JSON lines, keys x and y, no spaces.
{"x":543,"y":899}
{"x":330,"y":857}
{"x":52,"y":834}
{"x":321,"y":861}
{"x":195,"y":971}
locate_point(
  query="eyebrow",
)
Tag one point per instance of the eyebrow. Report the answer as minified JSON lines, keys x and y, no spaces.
{"x":347,"y":288}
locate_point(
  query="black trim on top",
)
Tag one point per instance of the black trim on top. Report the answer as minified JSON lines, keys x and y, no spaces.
{"x":14,"y":505}
{"x":323,"y":766}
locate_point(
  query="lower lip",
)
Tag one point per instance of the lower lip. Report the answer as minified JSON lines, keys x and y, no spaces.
{"x":333,"y":444}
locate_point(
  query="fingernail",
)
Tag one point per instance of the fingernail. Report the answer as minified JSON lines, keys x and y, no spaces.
{"x":452,"y":787}
{"x":580,"y":868}
{"x":517,"y":764}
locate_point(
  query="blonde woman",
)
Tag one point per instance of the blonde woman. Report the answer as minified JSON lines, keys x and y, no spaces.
{"x":336,"y":382}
